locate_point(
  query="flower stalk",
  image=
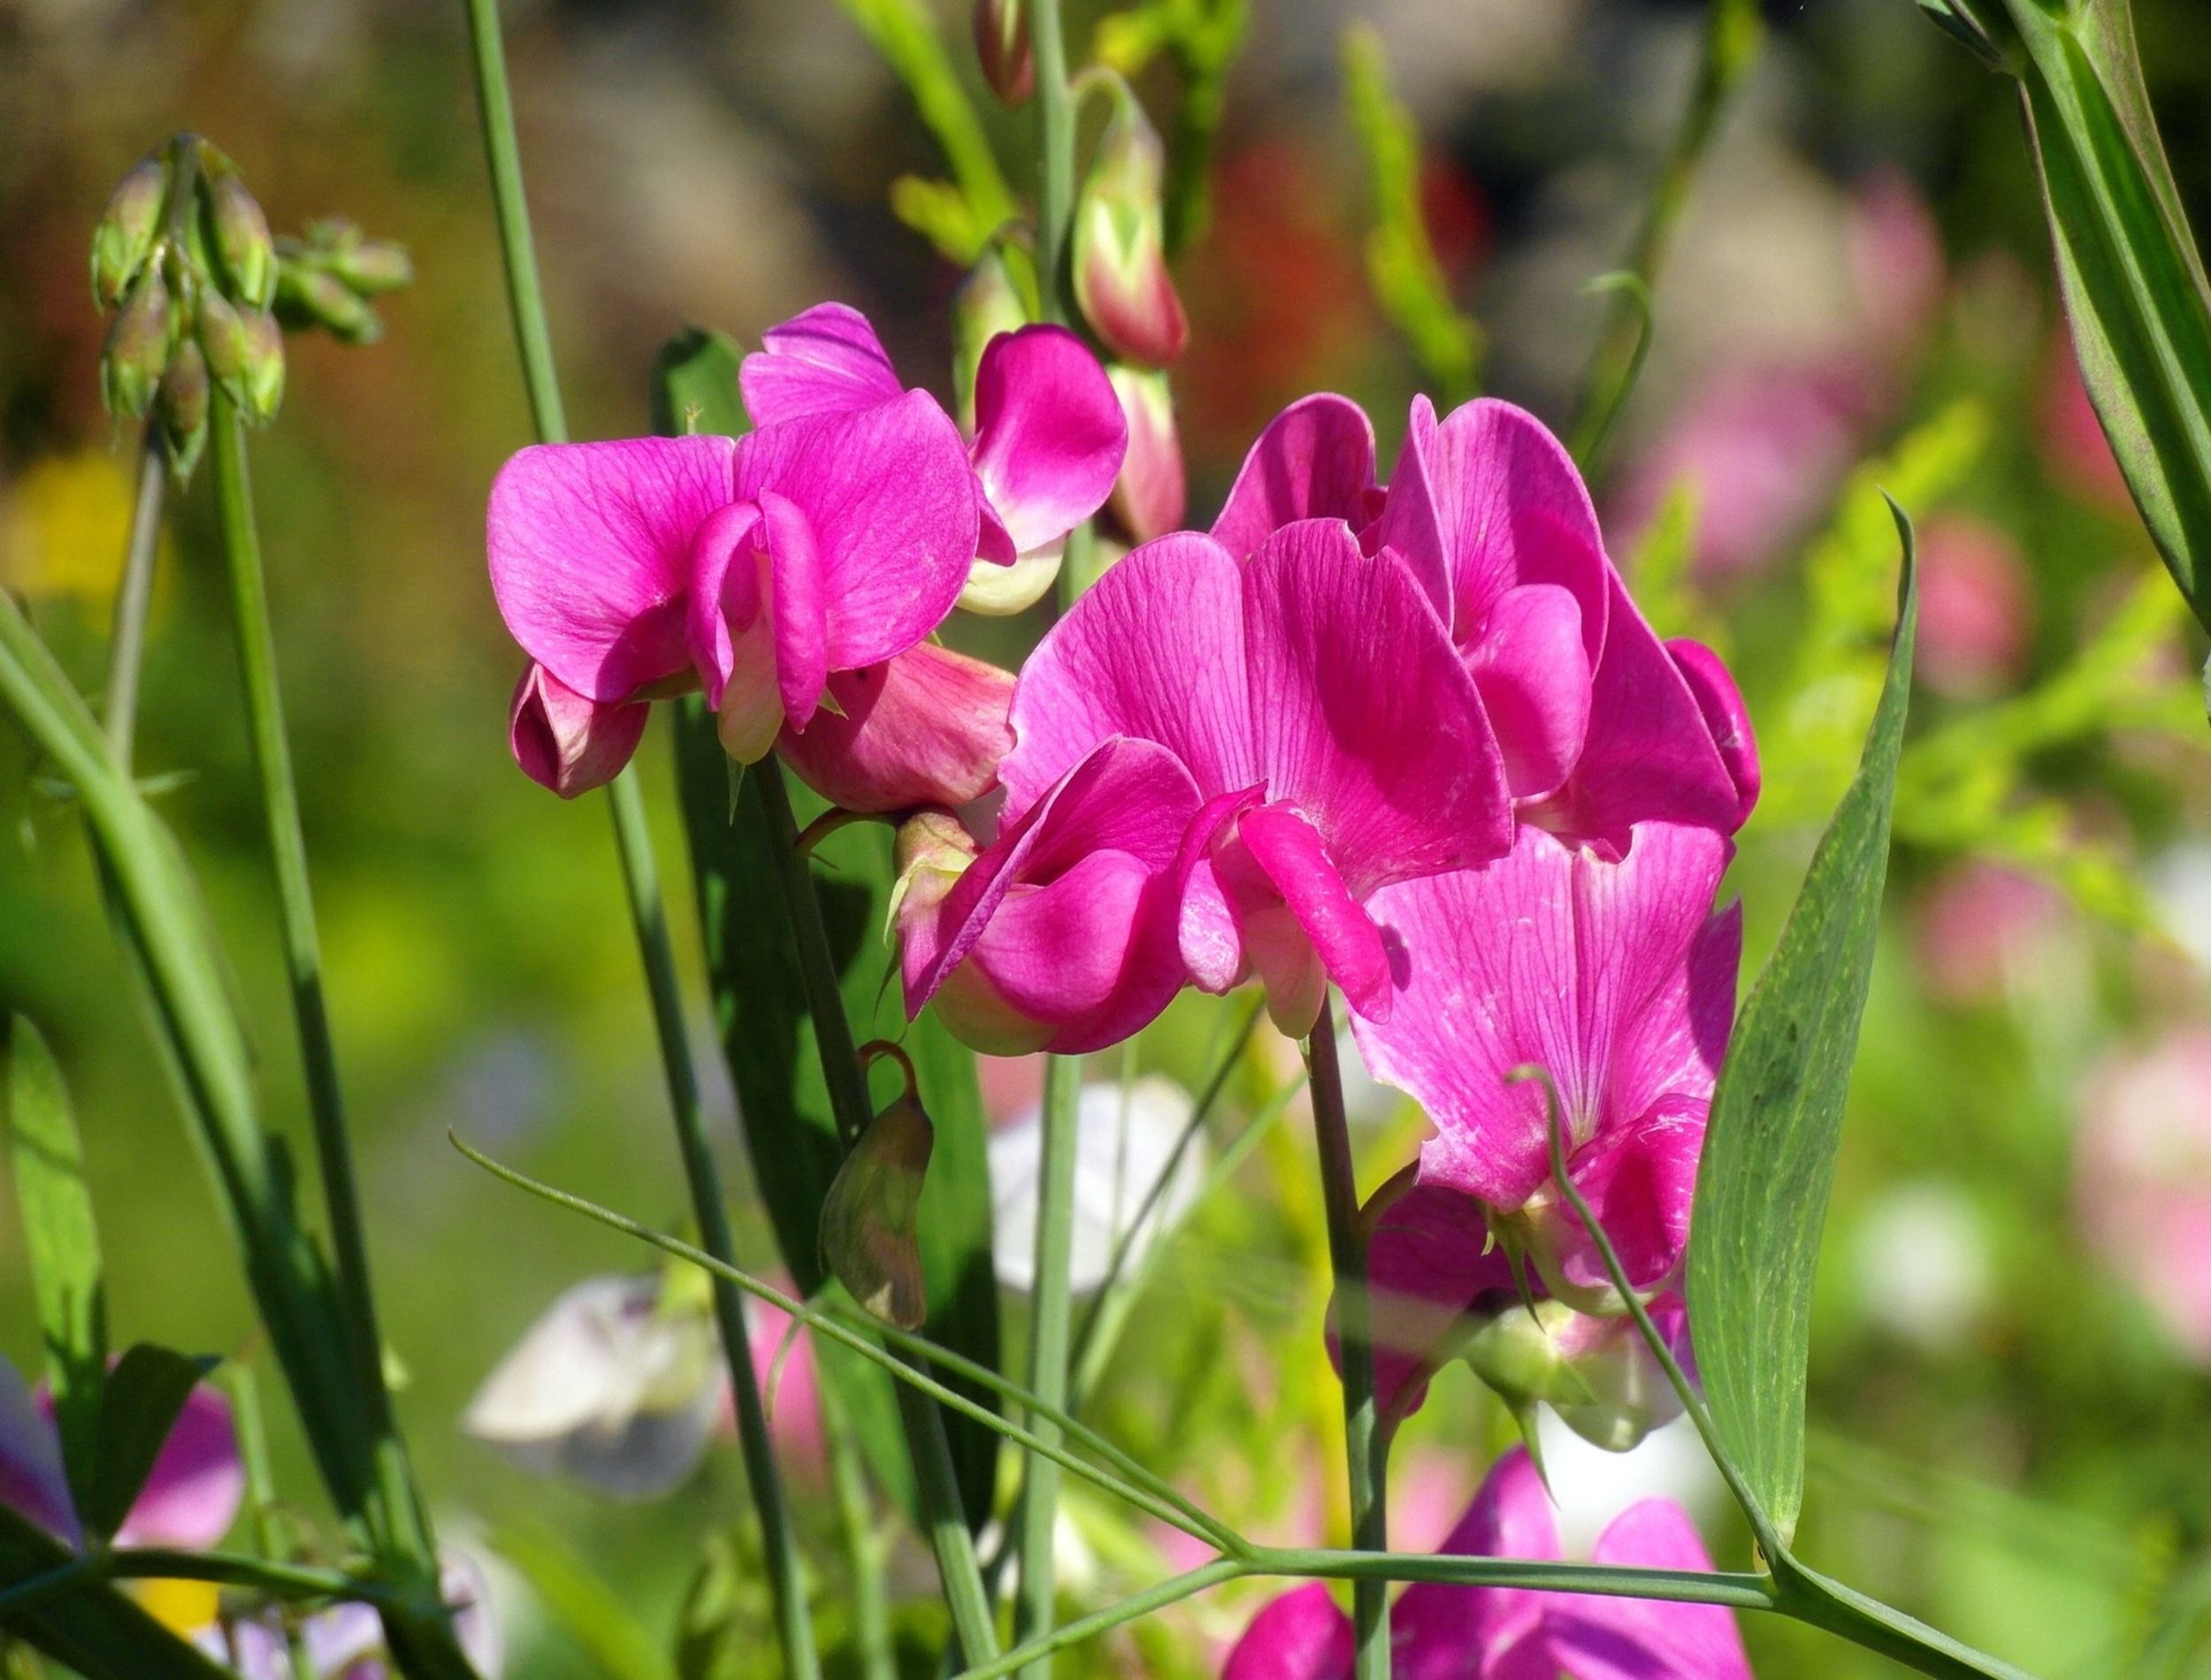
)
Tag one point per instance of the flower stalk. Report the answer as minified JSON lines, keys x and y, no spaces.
{"x":1049,"y":1338}
{"x":134,"y":596}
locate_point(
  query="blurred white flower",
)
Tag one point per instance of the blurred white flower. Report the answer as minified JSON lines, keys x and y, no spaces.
{"x":1592,"y":1485}
{"x":1921,"y":1262}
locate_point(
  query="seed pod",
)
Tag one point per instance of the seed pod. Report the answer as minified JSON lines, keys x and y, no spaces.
{"x":241,"y":240}
{"x":870,"y":1233}
{"x":128,"y":227}
{"x":137,"y":349}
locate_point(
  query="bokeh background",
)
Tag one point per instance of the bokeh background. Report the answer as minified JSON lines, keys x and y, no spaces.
{"x":2010,"y":1404}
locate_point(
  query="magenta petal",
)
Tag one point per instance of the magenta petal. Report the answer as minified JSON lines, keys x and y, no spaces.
{"x":891,"y":502}
{"x":723,"y":592}
{"x":1639,"y":1181}
{"x":198,"y":1480}
{"x":1315,"y":461}
{"x":566,"y":742}
{"x":1211,"y":946}
{"x":32,"y":1483}
{"x":798,"y":605}
{"x":1303,"y":1635}
{"x":1362,"y":713}
{"x":993,"y":542}
{"x":1606,"y":1638}
{"x":926,"y":728}
{"x":1287,"y":848}
{"x":1429,"y":1262}
{"x":1511,"y":1517}
{"x":826,"y":361}
{"x":590,"y":548}
{"x":1534,"y":674}
{"x":1725,"y":715}
{"x":1049,"y":434}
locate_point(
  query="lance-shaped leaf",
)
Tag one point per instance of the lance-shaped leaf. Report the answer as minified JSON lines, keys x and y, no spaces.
{"x":768,"y":1035}
{"x":64,"y":1243}
{"x":1777,"y":1120}
{"x":138,"y":1408}
{"x":2132,"y":278}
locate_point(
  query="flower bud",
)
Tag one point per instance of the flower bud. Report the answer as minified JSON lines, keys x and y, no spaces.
{"x":566,"y":741}
{"x":183,"y":406}
{"x":137,"y":349}
{"x":870,"y":1220}
{"x":242,"y":238}
{"x":1001,"y":41}
{"x":264,"y":364}
{"x":1148,"y":496}
{"x":221,"y":332}
{"x":926,"y":727}
{"x":310,"y":297}
{"x":371,"y":266}
{"x":990,"y":300}
{"x":128,"y":227}
{"x":1594,"y":1372}
{"x":1120,"y":273}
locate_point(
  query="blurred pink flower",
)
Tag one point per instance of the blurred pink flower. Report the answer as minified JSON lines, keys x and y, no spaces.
{"x":2142,"y":1179}
{"x":2071,"y":437}
{"x":1975,"y":608}
{"x":1981,"y":927}
{"x":1503,"y":1633}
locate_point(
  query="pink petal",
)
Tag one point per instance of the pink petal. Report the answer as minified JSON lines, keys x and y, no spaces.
{"x":197,"y":1483}
{"x":1303,"y":1635}
{"x":1486,"y":500}
{"x":1287,"y":848}
{"x":1429,"y":1262}
{"x":798,"y":605}
{"x":1599,"y":973}
{"x":1362,"y":714}
{"x":891,"y":502}
{"x":723,"y":593}
{"x":826,"y":361}
{"x":1608,"y":1638}
{"x":1049,"y":434}
{"x":1510,"y":1518}
{"x":1639,"y":1181}
{"x":1315,"y":461}
{"x":1534,"y":674}
{"x":1152,"y":493}
{"x":926,"y":728}
{"x":1725,"y":715}
{"x":589,"y":547}
{"x":32,"y":1480}
{"x":566,"y":742}
{"x":1211,"y":944}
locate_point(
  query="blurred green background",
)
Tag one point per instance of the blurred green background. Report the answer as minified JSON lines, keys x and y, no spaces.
{"x":2010,"y":1400}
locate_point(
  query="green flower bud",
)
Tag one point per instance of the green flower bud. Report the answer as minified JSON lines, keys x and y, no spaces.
{"x":241,"y":240}
{"x":137,"y":349}
{"x":871,"y":1227}
{"x":222,"y":337}
{"x":310,"y":297}
{"x":128,"y":227}
{"x":265,"y":365}
{"x":183,"y":406}
{"x":1001,"y":41}
{"x":990,"y":300}
{"x":371,"y":266}
{"x":1120,"y":262}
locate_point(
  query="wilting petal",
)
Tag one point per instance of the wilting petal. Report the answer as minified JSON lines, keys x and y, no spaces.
{"x":926,"y":727}
{"x":1287,"y":848}
{"x":1552,"y":958}
{"x":1315,"y":461}
{"x":891,"y":503}
{"x":1303,"y":1635}
{"x":826,"y":361}
{"x":590,"y":546}
{"x":569,"y":743}
{"x":1429,"y":1264}
{"x":32,"y":1483}
{"x":1608,"y":1638}
{"x":1049,"y":433}
{"x":198,"y":1481}
{"x":1725,"y":715}
{"x":1532,"y":671}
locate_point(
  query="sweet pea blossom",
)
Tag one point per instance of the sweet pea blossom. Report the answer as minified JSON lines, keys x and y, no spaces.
{"x":1217,"y":762}
{"x":1049,"y":435}
{"x":346,"y":1642}
{"x":1439,"y":1632}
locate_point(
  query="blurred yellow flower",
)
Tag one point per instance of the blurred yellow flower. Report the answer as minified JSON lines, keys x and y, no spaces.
{"x":182,"y":1606}
{"x":62,"y":526}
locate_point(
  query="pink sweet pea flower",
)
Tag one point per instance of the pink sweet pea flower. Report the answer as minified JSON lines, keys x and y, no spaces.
{"x":1618,"y":981}
{"x":1310,"y":737}
{"x":1049,"y":433}
{"x":1315,"y":461}
{"x":1508,"y":1633}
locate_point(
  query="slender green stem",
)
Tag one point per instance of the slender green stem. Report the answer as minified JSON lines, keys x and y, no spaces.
{"x":863,"y":1546}
{"x":1055,"y":158}
{"x":260,"y":1498}
{"x":133,"y":594}
{"x":958,"y":1570}
{"x":227,"y":1568}
{"x":1173,"y":1590}
{"x":1061,"y":1144}
{"x":1366,"y":1444}
{"x":1738,"y":1592}
{"x":1732,"y":32}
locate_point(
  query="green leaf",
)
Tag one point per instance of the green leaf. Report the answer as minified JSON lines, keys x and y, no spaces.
{"x":579,"y":1601}
{"x":100,"y":1632}
{"x":2132,"y":279}
{"x":138,"y":1408}
{"x":62,"y":1241}
{"x":1777,"y":1118}
{"x":768,"y":1036}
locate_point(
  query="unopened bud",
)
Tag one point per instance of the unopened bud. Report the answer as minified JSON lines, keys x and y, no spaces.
{"x":1149,"y":494}
{"x":933,"y":850}
{"x":371,"y":266}
{"x":1120,"y":272}
{"x":310,"y":297}
{"x":990,"y":300}
{"x":241,"y":240}
{"x":183,"y":406}
{"x":137,"y":349}
{"x":1594,"y":1372}
{"x":222,"y":335}
{"x":1001,"y":41}
{"x":870,"y":1220}
{"x":128,"y":227}
{"x":264,"y":364}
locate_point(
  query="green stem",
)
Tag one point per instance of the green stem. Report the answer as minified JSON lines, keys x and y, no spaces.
{"x":1055,"y":159}
{"x":778,"y":1540}
{"x":1048,"y":1340}
{"x":958,"y":1572}
{"x":863,"y":1547}
{"x":278,"y":1580}
{"x":134,"y":593}
{"x":1173,"y":1590}
{"x":1732,"y":31}
{"x":403,"y":1514}
{"x":1366,"y":1444}
{"x":640,"y":879}
{"x":261,"y":1498}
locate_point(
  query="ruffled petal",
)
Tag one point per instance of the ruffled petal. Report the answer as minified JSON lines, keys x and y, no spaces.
{"x":1429,"y":1263}
{"x":826,"y":361}
{"x":1511,"y":1517}
{"x":1639,"y":1181}
{"x":590,"y":549}
{"x":1287,"y":848}
{"x":1726,"y":715}
{"x":1534,"y":674}
{"x":1315,"y":461}
{"x":1049,"y":433}
{"x":198,"y":1481}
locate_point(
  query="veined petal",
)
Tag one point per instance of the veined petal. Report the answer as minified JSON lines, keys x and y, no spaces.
{"x":926,"y":728}
{"x":891,"y":502}
{"x":566,"y":742}
{"x":590,"y":549}
{"x":1049,"y":433}
{"x":797,"y":606}
{"x":1639,"y":1181}
{"x":1315,"y":461}
{"x":1599,"y":1639}
{"x":724,"y":595}
{"x":1362,"y":713}
{"x":1287,"y":848}
{"x":825,"y":361}
{"x":1302,"y":1635}
{"x":1533,"y":669}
